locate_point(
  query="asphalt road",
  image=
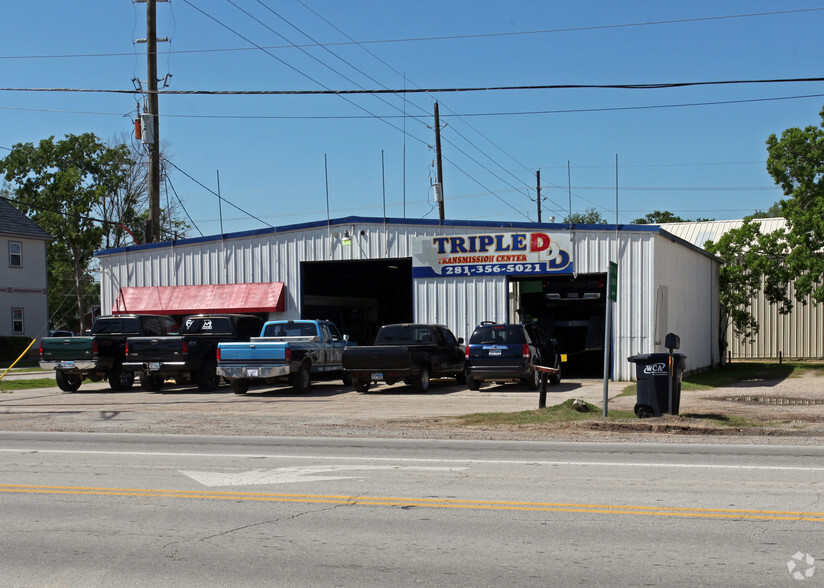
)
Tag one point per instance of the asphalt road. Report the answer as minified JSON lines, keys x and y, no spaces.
{"x":179,"y":510}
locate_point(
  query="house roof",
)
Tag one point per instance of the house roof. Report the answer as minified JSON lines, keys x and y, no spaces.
{"x":13,"y":222}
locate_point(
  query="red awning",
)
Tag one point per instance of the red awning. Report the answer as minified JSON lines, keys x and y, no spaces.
{"x":237,"y":298}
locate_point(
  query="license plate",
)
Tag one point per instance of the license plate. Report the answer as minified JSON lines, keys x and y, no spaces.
{"x":494,"y":352}
{"x":65,"y":364}
{"x":253,"y":372}
{"x":153,"y":366}
{"x":377,"y":376}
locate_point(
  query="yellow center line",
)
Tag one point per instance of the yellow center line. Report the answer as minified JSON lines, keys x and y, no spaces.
{"x":774,"y":515}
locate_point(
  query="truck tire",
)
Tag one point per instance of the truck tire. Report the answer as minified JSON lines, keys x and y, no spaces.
{"x":472,"y":383}
{"x":302,"y":380}
{"x":460,"y":377}
{"x":239,"y":386}
{"x":533,"y":381}
{"x":150,"y":383}
{"x":421,"y":381}
{"x":361,"y":385}
{"x":206,"y":377}
{"x":555,"y":379}
{"x":68,"y":382}
{"x":120,"y":380}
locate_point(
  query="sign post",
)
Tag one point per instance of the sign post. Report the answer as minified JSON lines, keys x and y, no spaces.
{"x":612,"y":296}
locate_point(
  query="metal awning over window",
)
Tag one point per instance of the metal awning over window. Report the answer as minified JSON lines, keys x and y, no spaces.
{"x":234,"y":298}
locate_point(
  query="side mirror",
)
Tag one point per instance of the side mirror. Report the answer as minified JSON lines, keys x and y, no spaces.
{"x":346,"y":338}
{"x":460,"y":340}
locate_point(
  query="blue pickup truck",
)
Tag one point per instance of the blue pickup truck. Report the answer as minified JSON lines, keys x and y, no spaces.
{"x":294,"y":352}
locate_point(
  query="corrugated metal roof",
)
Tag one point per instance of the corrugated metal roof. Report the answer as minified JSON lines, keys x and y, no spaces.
{"x":699,"y":233}
{"x":14,"y":222}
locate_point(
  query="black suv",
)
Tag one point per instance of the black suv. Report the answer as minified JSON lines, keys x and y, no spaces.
{"x":508,"y":352}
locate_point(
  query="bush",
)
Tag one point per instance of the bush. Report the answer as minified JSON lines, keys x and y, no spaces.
{"x":12,"y":347}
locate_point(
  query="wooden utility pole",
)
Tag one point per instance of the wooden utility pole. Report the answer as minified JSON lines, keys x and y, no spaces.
{"x":438,"y":160}
{"x":538,"y":193}
{"x":153,"y":229}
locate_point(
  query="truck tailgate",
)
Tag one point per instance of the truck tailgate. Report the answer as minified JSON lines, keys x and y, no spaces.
{"x":252,"y":353}
{"x":376,"y":358}
{"x":65,"y":348}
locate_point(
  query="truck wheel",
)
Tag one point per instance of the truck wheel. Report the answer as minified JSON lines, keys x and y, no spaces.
{"x":302,"y":380}
{"x":533,"y":381}
{"x":555,"y":379}
{"x":150,"y":383}
{"x":206,"y":377}
{"x":347,"y":380}
{"x":460,"y":377}
{"x":68,"y":382}
{"x":421,"y":383}
{"x":473,"y":383}
{"x":121,"y":380}
{"x":361,"y":385}
{"x":239,"y":386}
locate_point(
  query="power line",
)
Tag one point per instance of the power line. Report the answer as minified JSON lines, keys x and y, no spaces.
{"x":327,"y":91}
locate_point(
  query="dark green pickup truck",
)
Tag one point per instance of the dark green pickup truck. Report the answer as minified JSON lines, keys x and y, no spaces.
{"x":100,"y":356}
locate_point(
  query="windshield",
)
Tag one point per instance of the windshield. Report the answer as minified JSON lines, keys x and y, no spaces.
{"x":404,"y":334}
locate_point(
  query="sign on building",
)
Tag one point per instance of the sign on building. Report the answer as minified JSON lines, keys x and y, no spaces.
{"x":491,"y":254}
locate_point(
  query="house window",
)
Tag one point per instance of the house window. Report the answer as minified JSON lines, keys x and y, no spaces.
{"x":17,"y":321}
{"x":15,"y":254}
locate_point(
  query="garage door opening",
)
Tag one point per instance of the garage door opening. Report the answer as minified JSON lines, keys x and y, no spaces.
{"x":571,"y":310}
{"x":358,"y":296}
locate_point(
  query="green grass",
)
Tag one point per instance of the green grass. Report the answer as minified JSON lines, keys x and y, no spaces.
{"x":12,"y":385}
{"x":560,"y":413}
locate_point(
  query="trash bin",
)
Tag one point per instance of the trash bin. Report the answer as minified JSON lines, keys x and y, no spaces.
{"x":651,"y":370}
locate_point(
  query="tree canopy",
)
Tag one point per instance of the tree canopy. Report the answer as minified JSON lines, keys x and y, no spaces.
{"x":60,"y":185}
{"x":590,"y":217}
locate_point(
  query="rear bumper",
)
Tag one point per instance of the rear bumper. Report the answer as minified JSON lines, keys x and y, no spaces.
{"x":162,"y":368}
{"x":83,"y":365}
{"x":253,"y":371}
{"x":499,"y":373}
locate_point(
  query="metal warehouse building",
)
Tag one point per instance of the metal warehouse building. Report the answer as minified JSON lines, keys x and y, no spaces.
{"x":365,"y":272}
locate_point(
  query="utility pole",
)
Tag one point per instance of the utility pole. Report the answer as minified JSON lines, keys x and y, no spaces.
{"x":438,"y":160}
{"x":153,"y":228}
{"x":538,"y":193}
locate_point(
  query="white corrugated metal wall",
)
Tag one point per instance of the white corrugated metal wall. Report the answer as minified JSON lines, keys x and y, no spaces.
{"x":460,"y":303}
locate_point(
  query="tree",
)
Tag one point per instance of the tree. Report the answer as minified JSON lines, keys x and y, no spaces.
{"x":127,"y":210}
{"x":657,"y":217}
{"x":796,"y":163}
{"x":773,"y":211}
{"x":590,"y":217}
{"x":59,"y":184}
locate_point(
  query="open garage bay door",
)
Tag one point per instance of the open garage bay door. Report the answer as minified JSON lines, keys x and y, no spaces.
{"x":571,"y":310}
{"x":358,"y":296}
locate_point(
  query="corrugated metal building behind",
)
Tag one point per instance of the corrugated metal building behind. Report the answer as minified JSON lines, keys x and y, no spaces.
{"x":799,"y":334}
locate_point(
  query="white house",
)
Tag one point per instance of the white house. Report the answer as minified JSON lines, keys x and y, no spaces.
{"x":24,"y":303}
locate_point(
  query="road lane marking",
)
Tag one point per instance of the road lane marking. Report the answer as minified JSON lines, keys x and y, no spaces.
{"x":631,"y":464}
{"x":299,"y":474}
{"x":391,"y":501}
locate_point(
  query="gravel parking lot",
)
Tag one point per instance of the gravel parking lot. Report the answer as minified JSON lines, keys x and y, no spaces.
{"x":793,"y":409}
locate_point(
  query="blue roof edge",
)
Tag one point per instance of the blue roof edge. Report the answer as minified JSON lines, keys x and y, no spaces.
{"x":349,"y":220}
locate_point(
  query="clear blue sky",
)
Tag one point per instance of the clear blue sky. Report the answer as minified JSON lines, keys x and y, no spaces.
{"x":673,"y":153}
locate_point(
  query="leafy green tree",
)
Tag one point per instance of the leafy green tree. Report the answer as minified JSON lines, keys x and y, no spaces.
{"x":590,"y":217}
{"x":773,"y":211}
{"x":750,"y":260}
{"x":60,"y":185}
{"x":657,"y":217}
{"x":796,"y":163}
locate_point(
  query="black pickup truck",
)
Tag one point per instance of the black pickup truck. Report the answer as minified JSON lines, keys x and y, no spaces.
{"x":100,"y":355}
{"x":412,"y":353}
{"x":190,"y":356}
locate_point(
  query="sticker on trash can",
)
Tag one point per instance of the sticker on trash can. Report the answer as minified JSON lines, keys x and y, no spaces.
{"x":656,"y":369}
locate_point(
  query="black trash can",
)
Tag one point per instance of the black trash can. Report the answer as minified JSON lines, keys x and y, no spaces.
{"x":651,"y":371}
